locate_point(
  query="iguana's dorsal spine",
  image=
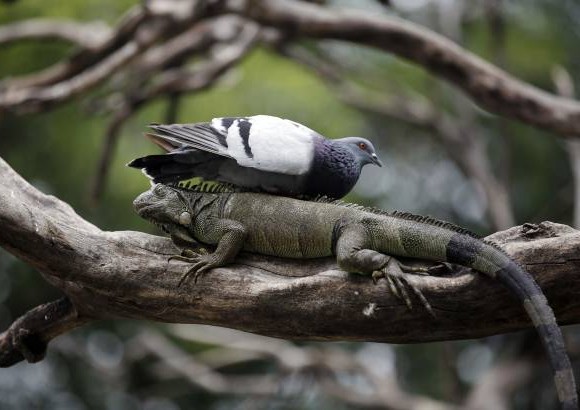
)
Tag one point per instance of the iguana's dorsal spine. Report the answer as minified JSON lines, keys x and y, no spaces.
{"x":206,"y":187}
{"x":429,"y":220}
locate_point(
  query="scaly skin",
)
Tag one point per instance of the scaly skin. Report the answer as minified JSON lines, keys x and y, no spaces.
{"x":363,"y":240}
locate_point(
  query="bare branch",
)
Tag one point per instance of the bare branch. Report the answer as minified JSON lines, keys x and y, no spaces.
{"x":128,"y":274}
{"x":222,"y":58}
{"x":175,"y":81}
{"x":29,"y":335}
{"x":111,"y":137}
{"x":200,"y":37}
{"x":84,"y":58}
{"x":86,"y":35}
{"x":490,"y":87}
{"x":465,"y":148}
{"x":34,"y":99}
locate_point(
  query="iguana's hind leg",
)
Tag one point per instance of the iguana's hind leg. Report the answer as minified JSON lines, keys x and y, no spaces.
{"x":395,"y":275}
{"x":353,"y":254}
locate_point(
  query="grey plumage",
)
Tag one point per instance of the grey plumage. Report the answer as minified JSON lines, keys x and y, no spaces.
{"x":261,"y":153}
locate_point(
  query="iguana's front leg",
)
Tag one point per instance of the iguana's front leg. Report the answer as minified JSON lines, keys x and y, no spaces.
{"x":353,"y":254}
{"x":229,"y":235}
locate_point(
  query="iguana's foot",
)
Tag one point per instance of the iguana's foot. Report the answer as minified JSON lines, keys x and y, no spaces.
{"x":437,"y":270}
{"x":201,"y":259}
{"x":394,"y":273}
{"x":442,"y":269}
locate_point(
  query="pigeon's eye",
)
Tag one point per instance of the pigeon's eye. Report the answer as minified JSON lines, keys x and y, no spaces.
{"x":362,"y":145}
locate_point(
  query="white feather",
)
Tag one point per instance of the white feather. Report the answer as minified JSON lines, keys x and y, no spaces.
{"x":277,"y":145}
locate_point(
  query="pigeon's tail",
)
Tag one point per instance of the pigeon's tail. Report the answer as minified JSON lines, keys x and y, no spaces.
{"x":178,"y":166}
{"x":201,"y":136}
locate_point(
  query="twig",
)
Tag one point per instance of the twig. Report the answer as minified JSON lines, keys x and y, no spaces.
{"x":104,"y":163}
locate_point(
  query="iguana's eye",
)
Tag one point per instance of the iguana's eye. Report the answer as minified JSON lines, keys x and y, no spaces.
{"x":185,"y":219}
{"x":362,"y":145}
{"x":159,"y":191}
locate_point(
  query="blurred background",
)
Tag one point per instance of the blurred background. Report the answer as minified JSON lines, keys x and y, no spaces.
{"x":443,"y":157}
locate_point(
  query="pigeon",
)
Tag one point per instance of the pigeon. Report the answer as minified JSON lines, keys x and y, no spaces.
{"x":259,"y":153}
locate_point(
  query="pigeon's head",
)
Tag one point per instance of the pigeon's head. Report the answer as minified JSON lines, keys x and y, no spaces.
{"x":363,"y":150}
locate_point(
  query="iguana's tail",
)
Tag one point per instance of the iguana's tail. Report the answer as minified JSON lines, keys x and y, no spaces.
{"x":536,"y":304}
{"x":489,"y":259}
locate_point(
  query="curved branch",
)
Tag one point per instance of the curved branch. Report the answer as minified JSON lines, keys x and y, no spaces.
{"x":128,"y":274}
{"x":489,"y":86}
{"x":33,"y":99}
{"x":84,"y":58}
{"x":465,"y":149}
{"x":86,"y":35}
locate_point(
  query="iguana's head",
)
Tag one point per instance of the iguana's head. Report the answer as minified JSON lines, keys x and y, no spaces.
{"x":167,"y":208}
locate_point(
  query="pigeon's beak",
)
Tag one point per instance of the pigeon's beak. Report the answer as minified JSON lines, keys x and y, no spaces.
{"x":376,"y":160}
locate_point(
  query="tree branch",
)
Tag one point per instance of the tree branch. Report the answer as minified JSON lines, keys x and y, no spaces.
{"x":174,"y":81}
{"x":128,"y":274}
{"x":84,"y":58}
{"x":34,"y":99}
{"x":86,"y":35}
{"x":489,"y":86}
{"x":464,"y":148}
{"x":29,"y":335}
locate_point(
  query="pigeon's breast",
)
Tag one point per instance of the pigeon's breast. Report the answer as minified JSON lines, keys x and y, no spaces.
{"x":334,"y":171}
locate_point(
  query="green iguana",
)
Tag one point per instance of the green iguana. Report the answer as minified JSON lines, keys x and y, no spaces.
{"x":363,"y":240}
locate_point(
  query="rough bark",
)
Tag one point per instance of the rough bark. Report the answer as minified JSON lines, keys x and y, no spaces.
{"x":128,"y":274}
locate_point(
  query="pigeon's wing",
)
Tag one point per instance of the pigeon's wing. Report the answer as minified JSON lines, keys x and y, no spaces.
{"x":181,"y":136}
{"x":267,"y":143}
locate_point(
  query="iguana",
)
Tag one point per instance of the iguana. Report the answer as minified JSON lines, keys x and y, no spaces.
{"x":364,"y":241}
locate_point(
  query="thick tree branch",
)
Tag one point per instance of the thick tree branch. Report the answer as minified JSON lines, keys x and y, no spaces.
{"x":128,"y":274}
{"x":490,"y":87}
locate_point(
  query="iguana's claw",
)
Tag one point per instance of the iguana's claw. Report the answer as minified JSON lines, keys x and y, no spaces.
{"x":443,"y":268}
{"x":201,"y":260}
{"x":394,"y":274}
